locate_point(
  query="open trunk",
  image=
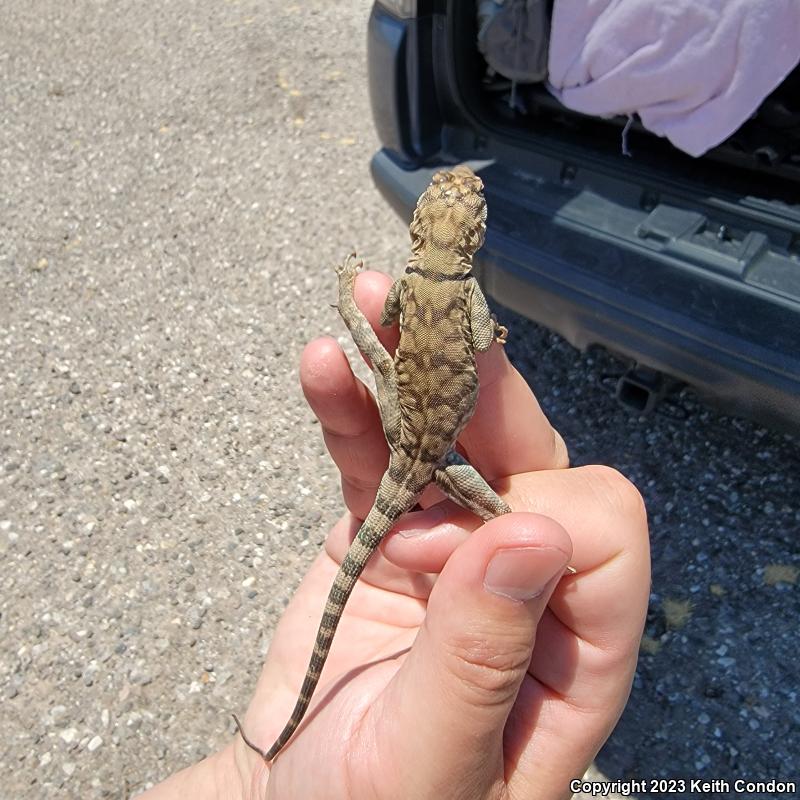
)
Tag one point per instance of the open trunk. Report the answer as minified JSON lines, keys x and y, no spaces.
{"x":762,"y":157}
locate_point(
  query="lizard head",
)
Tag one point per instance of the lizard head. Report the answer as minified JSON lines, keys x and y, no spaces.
{"x":450,"y":218}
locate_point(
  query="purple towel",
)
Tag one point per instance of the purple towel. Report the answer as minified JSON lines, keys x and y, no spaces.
{"x":693,"y":70}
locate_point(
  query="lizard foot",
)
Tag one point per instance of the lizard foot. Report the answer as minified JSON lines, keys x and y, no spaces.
{"x":350,"y":265}
{"x":500,"y":332}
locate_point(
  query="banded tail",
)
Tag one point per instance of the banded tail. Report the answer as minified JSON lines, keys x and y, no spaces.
{"x":391,"y":502}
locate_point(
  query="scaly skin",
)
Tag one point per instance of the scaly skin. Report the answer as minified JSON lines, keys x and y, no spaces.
{"x":426,"y":394}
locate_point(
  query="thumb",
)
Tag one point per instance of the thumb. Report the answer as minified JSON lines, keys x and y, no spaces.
{"x":450,"y":700}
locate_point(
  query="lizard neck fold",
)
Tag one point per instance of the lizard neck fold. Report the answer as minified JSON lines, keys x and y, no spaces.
{"x":439,"y":263}
{"x":439,"y":277}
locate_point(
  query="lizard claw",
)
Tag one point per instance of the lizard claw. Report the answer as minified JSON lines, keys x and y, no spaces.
{"x":349,"y":265}
{"x":500,"y":331}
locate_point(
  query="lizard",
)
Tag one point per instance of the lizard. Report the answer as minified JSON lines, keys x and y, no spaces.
{"x":426,"y":394}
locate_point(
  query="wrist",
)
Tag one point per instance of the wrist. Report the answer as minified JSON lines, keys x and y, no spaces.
{"x":225,"y":775}
{"x":251,"y":773}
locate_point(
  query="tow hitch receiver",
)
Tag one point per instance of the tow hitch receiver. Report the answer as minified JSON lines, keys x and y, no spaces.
{"x":641,"y":389}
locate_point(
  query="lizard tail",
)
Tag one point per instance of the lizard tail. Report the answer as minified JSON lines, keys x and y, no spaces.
{"x":391,"y":502}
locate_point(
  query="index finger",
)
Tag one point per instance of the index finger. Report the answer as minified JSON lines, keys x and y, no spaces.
{"x":509,"y":433}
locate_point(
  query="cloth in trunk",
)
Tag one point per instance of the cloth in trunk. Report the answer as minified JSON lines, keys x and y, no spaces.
{"x":692,"y":70}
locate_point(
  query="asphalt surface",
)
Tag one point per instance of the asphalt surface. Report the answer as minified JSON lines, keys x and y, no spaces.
{"x":176,"y":180}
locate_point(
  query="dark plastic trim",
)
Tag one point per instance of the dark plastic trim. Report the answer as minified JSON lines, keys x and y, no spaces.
{"x":405,"y":106}
{"x":592,"y":292}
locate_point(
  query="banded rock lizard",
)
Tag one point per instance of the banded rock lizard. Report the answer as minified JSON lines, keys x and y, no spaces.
{"x":426,"y":394}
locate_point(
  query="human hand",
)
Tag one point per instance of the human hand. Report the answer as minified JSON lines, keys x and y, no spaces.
{"x":434,"y":687}
{"x":440,"y":684}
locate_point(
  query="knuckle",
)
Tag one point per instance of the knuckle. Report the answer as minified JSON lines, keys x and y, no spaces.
{"x":490,"y":672}
{"x":618,"y":492}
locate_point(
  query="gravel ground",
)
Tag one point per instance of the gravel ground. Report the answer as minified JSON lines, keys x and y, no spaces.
{"x":177,"y":178}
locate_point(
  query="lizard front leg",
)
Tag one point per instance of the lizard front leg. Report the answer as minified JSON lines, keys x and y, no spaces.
{"x":371,"y":348}
{"x":483,"y":325}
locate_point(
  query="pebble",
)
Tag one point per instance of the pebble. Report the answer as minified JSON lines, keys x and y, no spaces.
{"x":69,"y":735}
{"x":702,"y":762}
{"x":58,"y":714}
{"x":94,"y":743}
{"x":140,"y":675}
{"x":195,"y":618}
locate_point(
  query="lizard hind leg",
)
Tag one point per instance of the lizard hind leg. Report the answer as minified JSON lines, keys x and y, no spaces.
{"x":463,"y":484}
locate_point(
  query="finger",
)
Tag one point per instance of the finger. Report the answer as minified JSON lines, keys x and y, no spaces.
{"x":509,"y":433}
{"x":351,"y":425}
{"x":344,"y":406}
{"x":379,"y":572}
{"x":588,"y":642}
{"x":471,"y":655}
{"x":604,"y":512}
{"x":595,"y":614}
{"x":424,"y":540}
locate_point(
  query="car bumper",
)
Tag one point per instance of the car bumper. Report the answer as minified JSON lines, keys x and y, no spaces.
{"x":553,"y":255}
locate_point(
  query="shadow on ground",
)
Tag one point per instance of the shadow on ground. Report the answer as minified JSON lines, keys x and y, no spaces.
{"x":715,"y":693}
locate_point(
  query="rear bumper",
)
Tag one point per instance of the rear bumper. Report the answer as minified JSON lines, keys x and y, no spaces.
{"x":552,"y":254}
